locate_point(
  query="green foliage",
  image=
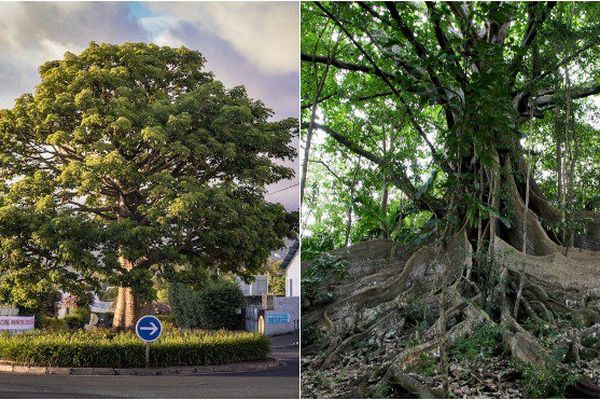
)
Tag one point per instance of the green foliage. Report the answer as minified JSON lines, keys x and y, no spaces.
{"x":110,"y":294}
{"x":30,"y":291}
{"x":136,"y":151}
{"x":315,"y":244}
{"x":540,"y":328}
{"x":51,"y":324}
{"x":77,"y":318}
{"x":482,"y":344}
{"x":125,"y":350}
{"x":277,"y":284}
{"x":214,"y":306}
{"x":550,"y":381}
{"x":318,"y":280}
{"x":415,"y":312}
{"x":310,"y":334}
{"x":416,"y":123}
{"x":382,"y":391}
{"x":276,"y":278}
{"x":426,"y":365}
{"x":168,"y":321}
{"x":223,"y":302}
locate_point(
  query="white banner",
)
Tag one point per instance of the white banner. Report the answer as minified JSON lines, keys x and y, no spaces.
{"x":100,"y":307}
{"x":17,"y":324}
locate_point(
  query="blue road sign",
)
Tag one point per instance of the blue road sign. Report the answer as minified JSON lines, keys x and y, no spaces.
{"x":278,"y":318}
{"x":148,"y":328}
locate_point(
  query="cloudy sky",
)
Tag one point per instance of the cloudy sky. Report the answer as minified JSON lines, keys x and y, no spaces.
{"x":255,"y":44}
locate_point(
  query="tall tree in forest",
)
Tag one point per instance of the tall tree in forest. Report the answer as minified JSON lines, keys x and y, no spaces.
{"x":130,"y":160}
{"x":466,"y":84}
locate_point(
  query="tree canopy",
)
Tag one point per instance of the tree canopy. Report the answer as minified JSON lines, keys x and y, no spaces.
{"x":130,"y":160}
{"x":404,"y":93}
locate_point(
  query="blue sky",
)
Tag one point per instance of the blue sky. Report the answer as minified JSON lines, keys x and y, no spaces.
{"x":249,"y":43}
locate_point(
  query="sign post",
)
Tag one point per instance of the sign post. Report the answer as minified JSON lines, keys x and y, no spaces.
{"x":148,"y":329}
{"x":147,"y":354}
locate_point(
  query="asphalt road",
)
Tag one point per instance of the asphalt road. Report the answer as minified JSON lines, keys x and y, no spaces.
{"x":280,"y":382}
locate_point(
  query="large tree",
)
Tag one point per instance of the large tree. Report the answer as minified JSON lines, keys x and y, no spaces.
{"x":130,"y":160}
{"x":476,"y":114}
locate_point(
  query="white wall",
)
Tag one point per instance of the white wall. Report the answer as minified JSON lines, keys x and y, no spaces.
{"x":289,"y":306}
{"x":292,"y":277}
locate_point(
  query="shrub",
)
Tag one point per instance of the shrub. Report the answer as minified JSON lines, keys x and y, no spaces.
{"x":549,"y":381}
{"x":51,"y":324}
{"x":483,"y":343}
{"x":166,"y":320}
{"x":310,"y":334}
{"x":426,"y":365}
{"x":77,"y":319}
{"x":223,"y":301}
{"x":214,"y":306}
{"x":319,"y":279}
{"x":125,"y":350}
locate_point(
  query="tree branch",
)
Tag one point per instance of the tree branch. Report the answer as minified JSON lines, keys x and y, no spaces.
{"x":550,"y":98}
{"x":435,"y":18}
{"x":536,"y":20}
{"x":378,"y":70}
{"x":346,"y":65}
{"x":423,"y":55}
{"x":399,"y":178}
{"x":350,"y":99}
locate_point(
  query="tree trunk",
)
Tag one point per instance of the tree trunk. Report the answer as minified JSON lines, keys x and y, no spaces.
{"x":351,"y":206}
{"x":119,"y":315}
{"x":384,"y":190}
{"x":126,"y":307}
{"x":309,"y":132}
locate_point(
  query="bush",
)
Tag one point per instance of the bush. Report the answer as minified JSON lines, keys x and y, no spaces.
{"x":125,"y":350}
{"x":214,"y":306}
{"x":223,"y":301}
{"x":77,"y":319}
{"x":549,"y":381}
{"x":51,"y":324}
{"x":319,"y":279}
{"x":483,"y":343}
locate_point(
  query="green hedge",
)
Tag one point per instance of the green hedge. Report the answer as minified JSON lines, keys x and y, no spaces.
{"x":125,"y":350}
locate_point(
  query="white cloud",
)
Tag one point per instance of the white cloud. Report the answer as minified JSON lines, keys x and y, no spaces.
{"x":259,"y":31}
{"x":161,"y":30}
{"x":33,"y":33}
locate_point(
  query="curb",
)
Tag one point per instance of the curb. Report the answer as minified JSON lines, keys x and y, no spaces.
{"x":11,"y":368}
{"x":285,"y":346}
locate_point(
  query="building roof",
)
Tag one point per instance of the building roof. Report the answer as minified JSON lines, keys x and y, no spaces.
{"x":290,"y":255}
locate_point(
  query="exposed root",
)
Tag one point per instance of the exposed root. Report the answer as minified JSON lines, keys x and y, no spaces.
{"x":411,"y":384}
{"x":385,"y":321}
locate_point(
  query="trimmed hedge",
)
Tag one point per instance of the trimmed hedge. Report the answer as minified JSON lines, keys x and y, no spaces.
{"x":125,"y":350}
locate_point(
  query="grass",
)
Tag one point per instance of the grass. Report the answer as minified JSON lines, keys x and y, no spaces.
{"x":125,"y":350}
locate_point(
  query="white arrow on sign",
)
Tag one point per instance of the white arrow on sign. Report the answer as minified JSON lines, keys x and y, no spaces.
{"x":152,"y":328}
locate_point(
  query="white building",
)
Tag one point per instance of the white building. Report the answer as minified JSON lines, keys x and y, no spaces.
{"x":291,"y":265}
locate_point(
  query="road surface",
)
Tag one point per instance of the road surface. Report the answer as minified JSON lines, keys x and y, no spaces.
{"x":281,"y":382}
